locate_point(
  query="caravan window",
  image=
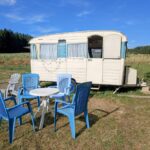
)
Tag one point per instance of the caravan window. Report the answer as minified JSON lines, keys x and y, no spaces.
{"x":48,"y":51}
{"x":77,"y":50}
{"x":95,"y":46}
{"x":33,"y":51}
{"x":123,"y":49}
{"x":61,"y":51}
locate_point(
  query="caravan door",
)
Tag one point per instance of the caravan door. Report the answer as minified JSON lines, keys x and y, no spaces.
{"x":94,"y":61}
{"x":113,"y":65}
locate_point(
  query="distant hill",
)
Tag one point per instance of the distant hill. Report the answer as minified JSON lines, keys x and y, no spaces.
{"x":140,"y":50}
{"x":13,"y":42}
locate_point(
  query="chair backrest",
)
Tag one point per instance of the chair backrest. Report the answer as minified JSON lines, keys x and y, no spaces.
{"x":81,"y":97}
{"x":29,"y":81}
{"x":3,"y":111}
{"x":14,"y":80}
{"x":64,"y":82}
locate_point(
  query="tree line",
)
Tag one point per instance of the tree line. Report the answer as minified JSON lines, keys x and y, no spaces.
{"x":13,"y":42}
{"x":140,"y":50}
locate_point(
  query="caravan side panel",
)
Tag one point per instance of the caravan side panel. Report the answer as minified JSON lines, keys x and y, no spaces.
{"x":37,"y":66}
{"x":47,"y":69}
{"x":77,"y":67}
{"x":113,"y":71}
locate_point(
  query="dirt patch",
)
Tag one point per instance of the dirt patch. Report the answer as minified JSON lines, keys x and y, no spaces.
{"x":113,"y":125}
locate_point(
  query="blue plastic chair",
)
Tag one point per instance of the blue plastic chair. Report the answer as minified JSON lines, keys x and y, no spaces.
{"x":29,"y":81}
{"x":12,"y":113}
{"x":78,"y":106}
{"x":65,"y":87}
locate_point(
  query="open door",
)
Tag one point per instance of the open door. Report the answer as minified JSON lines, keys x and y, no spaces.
{"x":94,"y":63}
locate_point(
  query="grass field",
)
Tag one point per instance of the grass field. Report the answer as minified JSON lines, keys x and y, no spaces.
{"x":140,"y":62}
{"x":117,"y":123}
{"x":12,"y":63}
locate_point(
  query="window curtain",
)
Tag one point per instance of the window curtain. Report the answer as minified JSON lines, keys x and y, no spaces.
{"x":77,"y":50}
{"x":48,"y":51}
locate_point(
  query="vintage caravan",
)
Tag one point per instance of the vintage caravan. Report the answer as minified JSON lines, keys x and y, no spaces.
{"x":97,"y":56}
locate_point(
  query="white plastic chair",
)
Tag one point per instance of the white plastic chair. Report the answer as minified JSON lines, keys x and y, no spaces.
{"x":12,"y":85}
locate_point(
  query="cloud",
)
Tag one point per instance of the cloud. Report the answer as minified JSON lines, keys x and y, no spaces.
{"x":83,"y":13}
{"x":125,"y":22}
{"x":130,"y":22}
{"x":8,"y":2}
{"x":39,"y":18}
{"x":14,"y":17}
{"x":115,"y":19}
{"x":36,"y":19}
{"x":77,"y":3}
{"x":133,"y":41}
{"x":45,"y":30}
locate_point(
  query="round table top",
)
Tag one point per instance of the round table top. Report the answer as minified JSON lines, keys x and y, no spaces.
{"x":44,"y":91}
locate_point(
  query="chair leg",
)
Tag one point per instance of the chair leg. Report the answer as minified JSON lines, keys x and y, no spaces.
{"x":72,"y":126}
{"x":69,"y":99}
{"x":33,"y":121}
{"x":20,"y":120}
{"x":55,"y":115}
{"x":64,"y":99}
{"x":6,"y":94}
{"x":38,"y":98}
{"x":0,"y":120}
{"x":86,"y":119}
{"x":19,"y":100}
{"x":11,"y":129}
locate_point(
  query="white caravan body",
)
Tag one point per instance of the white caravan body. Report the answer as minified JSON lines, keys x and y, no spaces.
{"x":97,"y":56}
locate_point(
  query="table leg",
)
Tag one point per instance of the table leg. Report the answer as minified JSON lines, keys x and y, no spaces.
{"x":44,"y":106}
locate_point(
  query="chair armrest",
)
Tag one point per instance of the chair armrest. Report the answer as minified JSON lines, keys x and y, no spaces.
{"x":63,"y":102}
{"x":27,"y":103}
{"x":11,"y":98}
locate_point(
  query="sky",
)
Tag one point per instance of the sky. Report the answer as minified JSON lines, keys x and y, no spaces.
{"x":40,"y":17}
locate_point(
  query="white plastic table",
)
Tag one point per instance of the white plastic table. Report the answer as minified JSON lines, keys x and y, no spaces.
{"x":44,"y":92}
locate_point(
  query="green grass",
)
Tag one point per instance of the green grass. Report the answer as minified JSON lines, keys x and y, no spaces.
{"x":117,"y":123}
{"x":13,"y":63}
{"x":141,"y":62}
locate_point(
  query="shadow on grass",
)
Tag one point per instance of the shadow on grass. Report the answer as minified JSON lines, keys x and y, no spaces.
{"x":92,"y":119}
{"x":106,"y":112}
{"x":129,"y":89}
{"x":48,"y":120}
{"x":110,"y":89}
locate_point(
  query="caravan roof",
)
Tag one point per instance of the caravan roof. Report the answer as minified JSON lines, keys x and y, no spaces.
{"x":71,"y":37}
